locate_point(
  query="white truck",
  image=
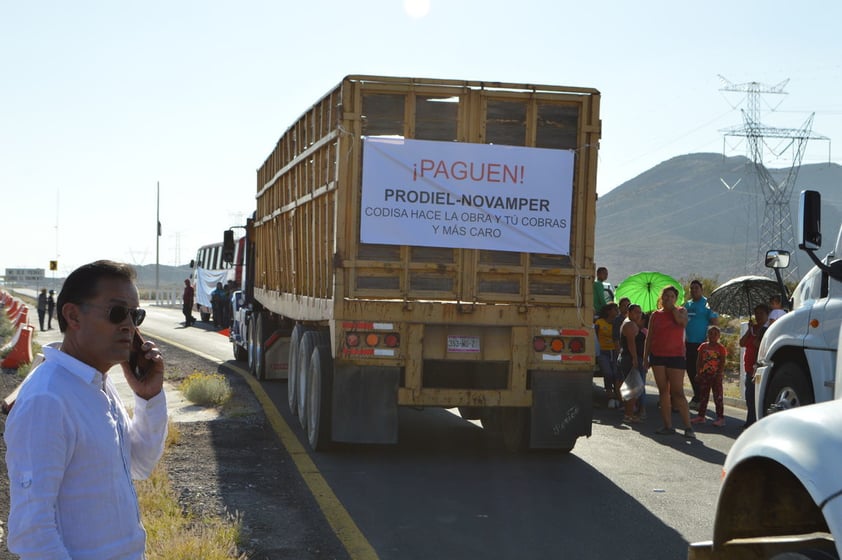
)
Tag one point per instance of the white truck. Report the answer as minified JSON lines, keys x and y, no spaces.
{"x":796,"y":362}
{"x":781,"y":494}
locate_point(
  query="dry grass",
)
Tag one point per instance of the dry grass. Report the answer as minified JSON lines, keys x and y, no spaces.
{"x":175,"y":534}
{"x":210,"y":389}
{"x":6,"y":328}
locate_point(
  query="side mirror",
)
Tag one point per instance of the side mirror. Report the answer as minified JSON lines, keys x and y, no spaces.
{"x":192,"y":263}
{"x":810,"y":221}
{"x":228,"y":246}
{"x":777,"y":258}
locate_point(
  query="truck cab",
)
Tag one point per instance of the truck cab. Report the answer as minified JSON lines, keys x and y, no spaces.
{"x":781,"y":494}
{"x":797,"y":357}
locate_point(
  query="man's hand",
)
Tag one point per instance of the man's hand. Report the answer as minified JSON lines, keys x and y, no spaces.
{"x":153,"y":382}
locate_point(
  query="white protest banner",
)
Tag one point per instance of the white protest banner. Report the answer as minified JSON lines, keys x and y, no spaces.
{"x":461,"y":195}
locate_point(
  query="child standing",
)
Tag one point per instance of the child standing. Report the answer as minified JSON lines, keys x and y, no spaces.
{"x":607,"y":358}
{"x":710,"y":365}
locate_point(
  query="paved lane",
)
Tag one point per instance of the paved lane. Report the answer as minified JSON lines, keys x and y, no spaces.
{"x":445,"y":491}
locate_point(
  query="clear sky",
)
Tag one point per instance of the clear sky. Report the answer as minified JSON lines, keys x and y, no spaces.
{"x":102,"y":100}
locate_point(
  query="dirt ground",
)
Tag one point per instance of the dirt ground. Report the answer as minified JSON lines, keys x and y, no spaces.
{"x":233,"y":464}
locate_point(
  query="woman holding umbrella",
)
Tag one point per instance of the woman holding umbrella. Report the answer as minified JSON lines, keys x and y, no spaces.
{"x":664,"y":351}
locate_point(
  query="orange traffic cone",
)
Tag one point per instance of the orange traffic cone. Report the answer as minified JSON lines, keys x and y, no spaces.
{"x":22,"y":351}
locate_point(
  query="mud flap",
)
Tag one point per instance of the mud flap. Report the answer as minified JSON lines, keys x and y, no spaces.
{"x":562,"y":408}
{"x":365,"y":404}
{"x":276,"y":355}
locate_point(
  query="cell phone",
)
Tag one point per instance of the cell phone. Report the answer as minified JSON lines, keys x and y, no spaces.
{"x":138,"y":363}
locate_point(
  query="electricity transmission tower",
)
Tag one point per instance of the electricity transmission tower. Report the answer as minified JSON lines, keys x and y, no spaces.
{"x":776,"y":230}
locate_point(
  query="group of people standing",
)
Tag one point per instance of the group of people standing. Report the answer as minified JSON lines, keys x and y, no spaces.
{"x":46,"y":306}
{"x":672,"y":340}
{"x":220,"y":303}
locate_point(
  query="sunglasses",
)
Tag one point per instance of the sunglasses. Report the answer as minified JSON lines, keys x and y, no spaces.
{"x":118,"y":313}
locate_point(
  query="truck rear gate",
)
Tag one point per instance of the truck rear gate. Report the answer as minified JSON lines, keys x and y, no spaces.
{"x":496,"y":333}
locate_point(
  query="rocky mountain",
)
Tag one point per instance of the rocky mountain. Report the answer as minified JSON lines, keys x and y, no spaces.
{"x":680,"y":218}
{"x":168,"y":276}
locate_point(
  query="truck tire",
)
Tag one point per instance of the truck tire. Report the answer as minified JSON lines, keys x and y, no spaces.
{"x":252,"y":343}
{"x":260,"y":337}
{"x":470,"y":412}
{"x":292,"y":371}
{"x":319,"y":397}
{"x":240,"y":353}
{"x":507,"y":426}
{"x":309,"y":341}
{"x":514,"y":428}
{"x":788,"y":388}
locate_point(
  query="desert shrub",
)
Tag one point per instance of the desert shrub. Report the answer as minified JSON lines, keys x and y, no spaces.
{"x":731,"y":341}
{"x":206,"y":389}
{"x":6,"y":328}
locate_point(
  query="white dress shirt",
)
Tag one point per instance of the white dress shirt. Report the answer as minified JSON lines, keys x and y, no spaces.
{"x":72,"y":452}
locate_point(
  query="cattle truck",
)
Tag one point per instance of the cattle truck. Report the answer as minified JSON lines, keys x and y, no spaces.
{"x":428,"y":243}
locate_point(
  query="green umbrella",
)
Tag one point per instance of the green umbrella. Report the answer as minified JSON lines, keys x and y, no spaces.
{"x":644,"y":289}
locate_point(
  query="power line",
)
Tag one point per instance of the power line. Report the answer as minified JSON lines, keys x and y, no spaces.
{"x":776,"y":228}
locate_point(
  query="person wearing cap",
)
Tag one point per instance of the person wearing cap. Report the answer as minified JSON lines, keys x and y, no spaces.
{"x":71,"y":448}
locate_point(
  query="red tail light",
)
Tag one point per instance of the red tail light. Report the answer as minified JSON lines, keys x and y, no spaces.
{"x":539,"y":344}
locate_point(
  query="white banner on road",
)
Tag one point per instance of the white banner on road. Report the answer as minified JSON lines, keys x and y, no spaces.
{"x":461,"y":195}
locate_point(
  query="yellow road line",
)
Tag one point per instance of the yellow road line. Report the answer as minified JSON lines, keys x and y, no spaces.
{"x":340,"y":520}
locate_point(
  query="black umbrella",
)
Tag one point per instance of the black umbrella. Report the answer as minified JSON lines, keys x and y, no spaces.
{"x":739,"y":296}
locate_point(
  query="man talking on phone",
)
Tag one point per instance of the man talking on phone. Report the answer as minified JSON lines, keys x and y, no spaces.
{"x":72,"y":450}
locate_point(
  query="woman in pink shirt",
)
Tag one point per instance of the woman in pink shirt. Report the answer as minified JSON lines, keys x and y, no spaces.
{"x":664,"y":351}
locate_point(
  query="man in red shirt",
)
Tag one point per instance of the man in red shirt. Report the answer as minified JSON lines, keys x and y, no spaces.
{"x":751,"y":342}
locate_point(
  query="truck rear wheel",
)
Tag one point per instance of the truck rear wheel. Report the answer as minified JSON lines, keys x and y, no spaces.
{"x":789,"y":388}
{"x":507,"y":426}
{"x":260,"y":346}
{"x":514,"y":428}
{"x":319,"y":397}
{"x":240,"y":353}
{"x":470,"y":412}
{"x":309,"y":341}
{"x":252,"y":342}
{"x":292,"y":371}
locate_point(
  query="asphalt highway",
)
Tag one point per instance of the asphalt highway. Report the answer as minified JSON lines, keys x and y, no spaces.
{"x":445,"y":491}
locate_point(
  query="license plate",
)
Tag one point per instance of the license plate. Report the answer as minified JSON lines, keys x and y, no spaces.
{"x":456,"y":343}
